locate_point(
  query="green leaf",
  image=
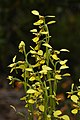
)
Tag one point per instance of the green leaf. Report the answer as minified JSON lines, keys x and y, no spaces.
{"x":35,"y":12}
{"x":74,"y":111}
{"x":65,"y":117}
{"x":64,"y":50}
{"x":39,"y":22}
{"x":47,"y":45}
{"x":31,"y":91}
{"x":74,"y":98}
{"x":57,"y":113}
{"x":41,"y":108}
{"x":51,"y":22}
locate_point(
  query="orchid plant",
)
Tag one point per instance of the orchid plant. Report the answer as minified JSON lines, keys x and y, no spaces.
{"x":40,"y":80}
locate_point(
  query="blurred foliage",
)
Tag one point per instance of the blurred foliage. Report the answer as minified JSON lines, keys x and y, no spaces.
{"x":16,"y":22}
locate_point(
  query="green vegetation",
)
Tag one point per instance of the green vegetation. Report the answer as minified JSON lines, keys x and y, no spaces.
{"x":40,"y":80}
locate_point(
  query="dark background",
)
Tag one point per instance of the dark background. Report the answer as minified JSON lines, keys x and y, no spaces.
{"x":16,"y":21}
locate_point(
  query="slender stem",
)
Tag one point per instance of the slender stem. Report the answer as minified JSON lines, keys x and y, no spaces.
{"x":48,"y":74}
{"x":45,"y":101}
{"x":25,"y":86}
{"x":31,"y":112}
{"x":55,"y":86}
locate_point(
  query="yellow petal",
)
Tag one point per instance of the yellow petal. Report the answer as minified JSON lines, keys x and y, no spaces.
{"x":36,"y":65}
{"x":10,"y":77}
{"x":65,"y":117}
{"x":74,"y":98}
{"x":29,"y":69}
{"x":12,"y":65}
{"x":66,"y":74}
{"x":64,"y":50}
{"x":50,"y":16}
{"x":42,"y":61}
{"x":31,"y":101}
{"x":58,"y":77}
{"x":51,"y":22}
{"x":45,"y":67}
{"x":40,"y":52}
{"x":32,"y":78}
{"x":43,"y":72}
{"x":78,"y":93}
{"x":41,"y":108}
{"x":62,"y":62}
{"x":35,"y":39}
{"x":74,"y":111}
{"x":35,"y":12}
{"x":56,"y":113}
{"x":54,"y":56}
{"x":37,"y":47}
{"x":64,"y":67}
{"x":39,"y":22}
{"x":14,"y":58}
{"x":44,"y":33}
{"x":31,"y":91}
{"x":56,"y":51}
{"x":47,"y":45}
{"x":22,"y":44}
{"x":33,"y":30}
{"x":32,"y":52}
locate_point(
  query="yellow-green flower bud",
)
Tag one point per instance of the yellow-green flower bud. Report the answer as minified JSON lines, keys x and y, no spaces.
{"x":21,"y":46}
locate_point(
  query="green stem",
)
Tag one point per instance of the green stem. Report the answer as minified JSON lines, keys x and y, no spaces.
{"x":45,"y":101}
{"x":31,"y":117}
{"x":55,"y":87}
{"x":25,"y":86}
{"x":48,"y":74}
